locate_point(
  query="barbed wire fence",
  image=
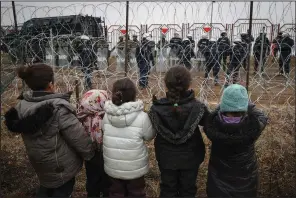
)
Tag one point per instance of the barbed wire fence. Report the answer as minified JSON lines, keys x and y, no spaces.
{"x":58,"y":33}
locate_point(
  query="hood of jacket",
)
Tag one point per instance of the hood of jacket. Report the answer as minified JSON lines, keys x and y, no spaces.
{"x":177,"y":124}
{"x":34,"y":110}
{"x":123,"y":115}
{"x":247,"y":131}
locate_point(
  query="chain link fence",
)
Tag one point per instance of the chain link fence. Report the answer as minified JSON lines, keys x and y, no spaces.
{"x":58,"y":34}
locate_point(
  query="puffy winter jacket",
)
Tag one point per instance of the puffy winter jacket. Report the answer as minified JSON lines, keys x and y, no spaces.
{"x":125,"y":129}
{"x":223,"y":44}
{"x":203,"y":46}
{"x":233,"y":170}
{"x":55,"y":140}
{"x":238,"y":53}
{"x":178,"y":143}
{"x":286,"y":45}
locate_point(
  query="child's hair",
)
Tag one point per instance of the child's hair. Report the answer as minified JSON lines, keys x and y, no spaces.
{"x":177,"y":81}
{"x":37,"y":76}
{"x":124,"y":90}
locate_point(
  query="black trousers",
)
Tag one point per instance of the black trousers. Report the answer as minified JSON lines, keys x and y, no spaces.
{"x":178,"y":183}
{"x":87,"y":71}
{"x":232,"y":71}
{"x":212,"y":66}
{"x":62,"y":191}
{"x":223,"y":59}
{"x":97,"y":181}
{"x":284,"y":62}
{"x":257,"y":61}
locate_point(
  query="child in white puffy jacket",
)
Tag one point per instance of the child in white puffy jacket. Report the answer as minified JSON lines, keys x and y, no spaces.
{"x":126,"y":127}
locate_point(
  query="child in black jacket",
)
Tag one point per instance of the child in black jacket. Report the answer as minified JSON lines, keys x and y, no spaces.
{"x":233,"y":129}
{"x":179,"y":146}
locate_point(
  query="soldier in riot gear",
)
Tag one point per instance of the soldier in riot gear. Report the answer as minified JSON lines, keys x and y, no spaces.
{"x":120,"y":42}
{"x":135,"y":39}
{"x":192,"y":44}
{"x":162,"y":42}
{"x":143,"y":56}
{"x":187,"y":53}
{"x":190,"y":37}
{"x":285,"y":54}
{"x":203,"y":52}
{"x":276,"y":43}
{"x":237,"y":55}
{"x":261,"y":40}
{"x":87,"y":57}
{"x":248,"y":39}
{"x":120,"y":45}
{"x":175,"y":45}
{"x":223,"y":49}
{"x":212,"y":61}
{"x":203,"y":44}
{"x":151,"y":44}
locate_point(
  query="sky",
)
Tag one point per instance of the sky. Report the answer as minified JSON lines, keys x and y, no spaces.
{"x":163,"y":13}
{"x":154,"y":12}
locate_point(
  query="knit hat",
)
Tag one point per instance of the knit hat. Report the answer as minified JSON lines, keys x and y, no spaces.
{"x":234,"y":99}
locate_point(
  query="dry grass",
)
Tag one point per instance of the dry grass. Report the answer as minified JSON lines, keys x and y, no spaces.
{"x":275,"y":150}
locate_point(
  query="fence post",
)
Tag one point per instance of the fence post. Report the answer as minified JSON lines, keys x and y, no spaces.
{"x":16,"y":34}
{"x":14,"y":16}
{"x":261,"y":63}
{"x":249,"y":45}
{"x":126,"y":39}
{"x":212,"y":19}
{"x":295,"y":71}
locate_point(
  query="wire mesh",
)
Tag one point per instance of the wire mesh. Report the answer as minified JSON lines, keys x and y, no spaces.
{"x":57,"y":34}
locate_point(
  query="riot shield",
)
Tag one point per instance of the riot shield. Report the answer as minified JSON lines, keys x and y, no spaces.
{"x":120,"y":57}
{"x":199,"y":62}
{"x":133,"y":65}
{"x":102,"y":54}
{"x":163,"y":59}
{"x":49,"y":55}
{"x":63,"y":56}
{"x":173,"y":57}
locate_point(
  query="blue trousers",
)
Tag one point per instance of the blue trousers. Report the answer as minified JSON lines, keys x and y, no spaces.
{"x":144,"y":68}
{"x":87,"y":77}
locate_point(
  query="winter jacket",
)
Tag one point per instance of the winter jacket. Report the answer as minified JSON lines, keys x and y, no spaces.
{"x":257,"y":45}
{"x":233,"y":170}
{"x":192,"y":42}
{"x":162,"y":43}
{"x":125,"y":129}
{"x":178,"y":143}
{"x":213,"y":58}
{"x":144,"y":52}
{"x":238,"y":53}
{"x":176,"y":45}
{"x":247,"y":39}
{"x":187,"y":52}
{"x":277,"y":41}
{"x":87,"y":56}
{"x":55,"y":140}
{"x":203,"y":46}
{"x":223,"y":44}
{"x":286,"y":45}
